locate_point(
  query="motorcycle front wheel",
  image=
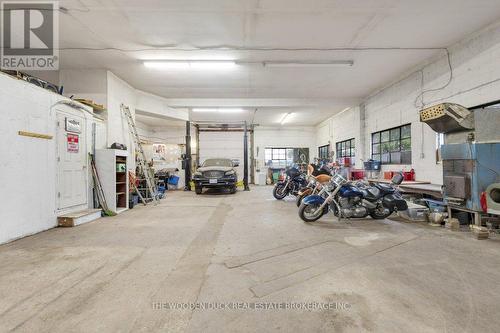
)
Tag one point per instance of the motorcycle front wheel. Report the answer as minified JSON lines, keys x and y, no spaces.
{"x":310,"y":213}
{"x":279,"y":191}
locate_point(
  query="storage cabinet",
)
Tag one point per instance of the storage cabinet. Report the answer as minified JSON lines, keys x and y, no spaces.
{"x":113,"y":173}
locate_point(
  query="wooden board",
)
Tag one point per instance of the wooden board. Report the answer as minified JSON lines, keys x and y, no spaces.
{"x":77,"y":218}
{"x":91,"y":103}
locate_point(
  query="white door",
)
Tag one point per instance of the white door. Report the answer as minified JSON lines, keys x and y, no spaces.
{"x":224,"y":145}
{"x":71,"y":161}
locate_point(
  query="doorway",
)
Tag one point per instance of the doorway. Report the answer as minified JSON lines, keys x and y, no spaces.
{"x":71,"y":159}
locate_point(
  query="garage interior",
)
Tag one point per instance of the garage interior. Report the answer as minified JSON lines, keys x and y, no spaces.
{"x":119,"y":164}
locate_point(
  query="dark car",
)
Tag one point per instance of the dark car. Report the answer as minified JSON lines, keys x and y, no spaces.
{"x":216,"y":173}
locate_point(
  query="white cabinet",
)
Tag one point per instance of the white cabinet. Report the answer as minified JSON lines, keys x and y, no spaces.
{"x":112,"y":168}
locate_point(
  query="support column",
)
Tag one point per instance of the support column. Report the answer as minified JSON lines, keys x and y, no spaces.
{"x":362,"y":146}
{"x":252,"y":155}
{"x":187,"y":158}
{"x":245,"y":158}
{"x":197,"y":145}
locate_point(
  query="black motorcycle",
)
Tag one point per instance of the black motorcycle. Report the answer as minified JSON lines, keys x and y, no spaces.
{"x":321,"y":169}
{"x":293,"y":182}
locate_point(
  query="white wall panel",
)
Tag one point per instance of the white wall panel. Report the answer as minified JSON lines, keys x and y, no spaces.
{"x":28,"y":165}
{"x":224,"y":145}
{"x":476,"y":80}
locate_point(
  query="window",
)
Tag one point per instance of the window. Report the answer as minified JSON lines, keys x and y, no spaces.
{"x":392,"y":146}
{"x":280,"y":158}
{"x":324,"y":152}
{"x":346,"y":148}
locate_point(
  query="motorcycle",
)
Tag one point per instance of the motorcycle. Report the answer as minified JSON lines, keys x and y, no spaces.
{"x":293,"y":182}
{"x":347,"y":200}
{"x":314,"y":186}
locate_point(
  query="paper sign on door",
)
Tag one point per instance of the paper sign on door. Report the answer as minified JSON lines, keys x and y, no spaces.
{"x":73,"y":143}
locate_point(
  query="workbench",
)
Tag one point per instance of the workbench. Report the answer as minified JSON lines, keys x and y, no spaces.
{"x":414,"y":186}
{"x":405,"y":182}
{"x":433,"y":190}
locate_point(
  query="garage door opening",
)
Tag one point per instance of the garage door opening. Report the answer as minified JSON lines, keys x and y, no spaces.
{"x":233,"y":141}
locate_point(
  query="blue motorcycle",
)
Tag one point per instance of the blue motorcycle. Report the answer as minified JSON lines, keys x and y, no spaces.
{"x":347,"y":200}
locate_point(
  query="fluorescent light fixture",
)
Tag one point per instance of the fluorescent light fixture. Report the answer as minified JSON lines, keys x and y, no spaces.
{"x":190,"y":64}
{"x":166,"y":64}
{"x":205,"y":110}
{"x":285,"y":117}
{"x":218,"y":110}
{"x":212,"y":64}
{"x":335,"y":63}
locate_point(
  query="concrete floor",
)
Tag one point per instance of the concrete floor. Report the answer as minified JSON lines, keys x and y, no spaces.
{"x":120,"y":274}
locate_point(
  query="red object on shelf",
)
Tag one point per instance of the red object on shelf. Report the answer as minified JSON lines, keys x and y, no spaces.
{"x":409,"y":175}
{"x":388,"y":174}
{"x":357,"y":174}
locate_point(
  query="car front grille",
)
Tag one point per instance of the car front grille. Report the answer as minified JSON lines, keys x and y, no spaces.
{"x":213,"y":174}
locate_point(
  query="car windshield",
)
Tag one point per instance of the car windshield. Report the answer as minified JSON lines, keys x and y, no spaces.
{"x":223,"y":162}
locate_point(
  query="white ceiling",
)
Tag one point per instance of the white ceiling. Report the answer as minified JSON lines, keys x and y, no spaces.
{"x":259,"y":30}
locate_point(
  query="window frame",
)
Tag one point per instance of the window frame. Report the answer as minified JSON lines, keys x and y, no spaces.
{"x":281,"y":157}
{"x":341,"y":146}
{"x":389,"y":142}
{"x":321,"y":151}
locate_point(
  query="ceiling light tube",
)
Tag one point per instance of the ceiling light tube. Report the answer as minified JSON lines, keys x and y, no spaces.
{"x":283,"y":120}
{"x":218,"y":110}
{"x":190,"y":64}
{"x":212,"y":64}
{"x":335,"y":63}
{"x":230,"y":110}
{"x":204,"y":110}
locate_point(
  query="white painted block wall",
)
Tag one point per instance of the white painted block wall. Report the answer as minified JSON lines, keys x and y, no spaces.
{"x":341,"y":127}
{"x":88,"y":84}
{"x":476,"y":67}
{"x":120,"y":92}
{"x":224,"y":145}
{"x":168,"y":135}
{"x":28,"y":165}
{"x":282,"y":137}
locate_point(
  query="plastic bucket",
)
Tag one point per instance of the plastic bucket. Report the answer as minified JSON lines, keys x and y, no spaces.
{"x":173,"y":180}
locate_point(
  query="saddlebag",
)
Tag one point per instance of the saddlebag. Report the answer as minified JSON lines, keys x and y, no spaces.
{"x":394,"y":202}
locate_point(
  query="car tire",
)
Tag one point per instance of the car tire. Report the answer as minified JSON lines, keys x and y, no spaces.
{"x":198,"y":190}
{"x":233,"y":190}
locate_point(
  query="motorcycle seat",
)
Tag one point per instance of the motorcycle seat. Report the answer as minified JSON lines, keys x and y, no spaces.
{"x":371,"y":193}
{"x":323,"y":179}
{"x":385,"y":188}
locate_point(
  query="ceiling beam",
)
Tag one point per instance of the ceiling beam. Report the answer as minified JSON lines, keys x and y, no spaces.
{"x":258,"y":102}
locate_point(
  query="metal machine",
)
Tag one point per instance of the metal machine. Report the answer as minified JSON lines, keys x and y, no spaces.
{"x":471,"y":155}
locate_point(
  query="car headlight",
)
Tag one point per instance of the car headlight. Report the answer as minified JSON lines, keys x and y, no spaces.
{"x":197,"y":174}
{"x":230,"y":173}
